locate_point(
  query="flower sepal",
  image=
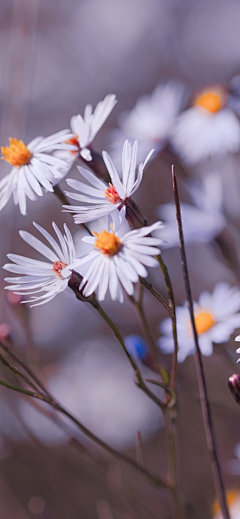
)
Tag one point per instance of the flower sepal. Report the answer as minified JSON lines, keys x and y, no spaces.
{"x":74,"y":283}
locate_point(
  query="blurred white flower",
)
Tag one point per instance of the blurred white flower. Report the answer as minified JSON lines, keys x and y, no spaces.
{"x":100,"y":198}
{"x":202,"y":222}
{"x":40,"y":276}
{"x":233,"y":501}
{"x":116,"y":260}
{"x":234,"y":464}
{"x":237,"y":339}
{"x":33,"y":168}
{"x":86,"y":128}
{"x":96,"y":384}
{"x":208,"y":128}
{"x":215,"y":320}
{"x":151,"y":120}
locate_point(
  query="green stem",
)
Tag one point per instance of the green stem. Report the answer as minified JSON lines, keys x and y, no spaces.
{"x":170,"y":432}
{"x":25,"y":367}
{"x":154,"y":352}
{"x":18,"y":389}
{"x":16,"y":372}
{"x":172,"y":306}
{"x":140,"y":382}
{"x":156,"y":294}
{"x":58,"y":407}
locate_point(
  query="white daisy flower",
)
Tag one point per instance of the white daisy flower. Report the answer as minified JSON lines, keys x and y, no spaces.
{"x":116,"y":260}
{"x":208,"y":128}
{"x":101,"y":199}
{"x":202,"y":222}
{"x":151,"y":120}
{"x":33,"y":168}
{"x":84,"y":129}
{"x":215,"y":320}
{"x":46,"y":279}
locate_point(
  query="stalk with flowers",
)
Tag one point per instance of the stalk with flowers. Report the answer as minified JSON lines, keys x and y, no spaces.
{"x":114,"y":262}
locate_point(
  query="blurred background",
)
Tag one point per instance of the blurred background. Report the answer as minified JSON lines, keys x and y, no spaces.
{"x":55,"y":58}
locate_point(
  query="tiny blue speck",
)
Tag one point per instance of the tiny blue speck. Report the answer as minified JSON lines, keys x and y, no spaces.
{"x":136,"y":346}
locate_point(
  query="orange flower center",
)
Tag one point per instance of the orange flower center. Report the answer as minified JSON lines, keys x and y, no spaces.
{"x":203,"y":321}
{"x":211,"y":100}
{"x":112,"y":195}
{"x":108,"y":243}
{"x":74,"y":142}
{"x":58,"y":266}
{"x":231,"y":497}
{"x":16,"y":153}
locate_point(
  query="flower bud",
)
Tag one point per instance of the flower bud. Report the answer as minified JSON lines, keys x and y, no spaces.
{"x":234,"y":386}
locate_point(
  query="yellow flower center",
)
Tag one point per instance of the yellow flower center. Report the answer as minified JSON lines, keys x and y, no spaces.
{"x":231,"y":496}
{"x":58,"y":266}
{"x":108,"y":243}
{"x":211,"y":100}
{"x":203,"y":321}
{"x":16,"y":153}
{"x":112,"y":195}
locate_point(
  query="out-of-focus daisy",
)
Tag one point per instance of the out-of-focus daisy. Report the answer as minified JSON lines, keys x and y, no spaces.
{"x":151,"y":120}
{"x":216,"y":318}
{"x":84,"y":129}
{"x":234,"y":464}
{"x":101,"y":199}
{"x":233,"y":501}
{"x":116,"y":260}
{"x":33,"y":168}
{"x":46,"y":279}
{"x":208,"y":128}
{"x":202,"y":222}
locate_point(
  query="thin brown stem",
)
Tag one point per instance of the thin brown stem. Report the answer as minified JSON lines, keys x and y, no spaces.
{"x":43,"y":396}
{"x":205,"y":405}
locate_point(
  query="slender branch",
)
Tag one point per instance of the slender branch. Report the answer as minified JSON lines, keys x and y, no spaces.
{"x":205,"y":405}
{"x":171,"y":302}
{"x":154,"y":351}
{"x":25,"y":367}
{"x":43,"y":396}
{"x":18,"y":389}
{"x":140,"y":382}
{"x":173,"y":479}
{"x":156,"y":294}
{"x":16,"y":372}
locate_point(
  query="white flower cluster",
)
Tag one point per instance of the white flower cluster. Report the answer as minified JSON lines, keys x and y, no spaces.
{"x":115,"y":259}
